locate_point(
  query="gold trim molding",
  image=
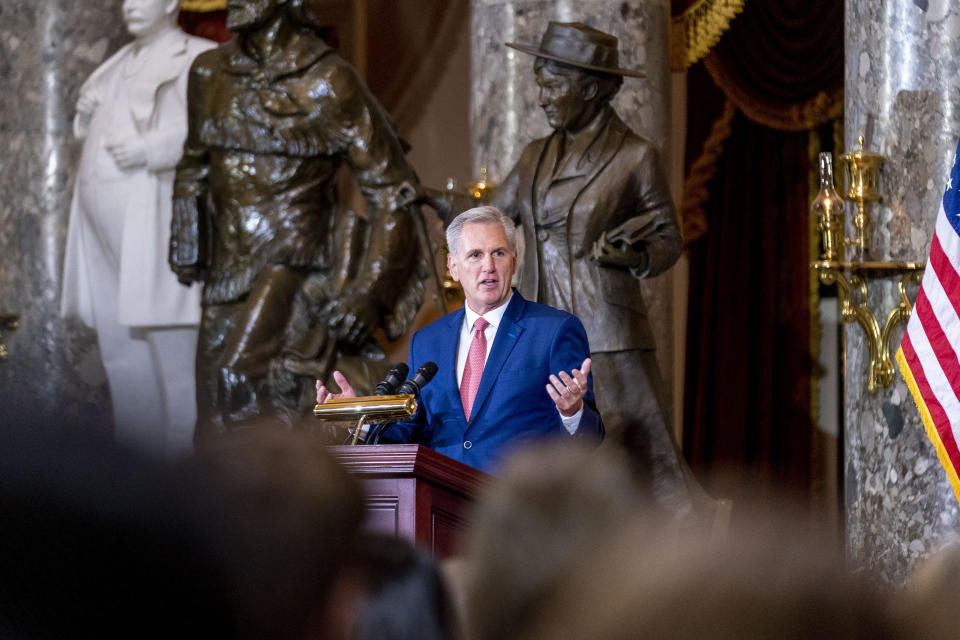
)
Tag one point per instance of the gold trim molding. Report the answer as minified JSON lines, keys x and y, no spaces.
{"x":695,"y":31}
{"x":203,"y":5}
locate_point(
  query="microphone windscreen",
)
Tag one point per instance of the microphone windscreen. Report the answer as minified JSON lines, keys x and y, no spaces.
{"x":428,"y":370}
{"x":419,"y":380}
{"x":392,"y":380}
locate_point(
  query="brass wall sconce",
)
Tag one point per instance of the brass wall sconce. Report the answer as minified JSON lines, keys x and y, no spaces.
{"x":861,"y":171}
{"x":480,"y":191}
{"x":8,"y":322}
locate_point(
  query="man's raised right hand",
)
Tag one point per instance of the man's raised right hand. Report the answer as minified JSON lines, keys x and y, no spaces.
{"x":346,"y":391}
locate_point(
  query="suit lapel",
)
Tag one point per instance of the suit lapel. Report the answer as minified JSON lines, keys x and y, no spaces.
{"x":609,"y":142}
{"x":507,"y":334}
{"x":613,"y":137}
{"x":451,"y":343}
{"x":543,"y":176}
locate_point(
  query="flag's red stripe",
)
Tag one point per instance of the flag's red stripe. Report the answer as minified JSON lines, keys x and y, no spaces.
{"x":937,"y":414}
{"x":939,"y":342}
{"x":946,"y":273}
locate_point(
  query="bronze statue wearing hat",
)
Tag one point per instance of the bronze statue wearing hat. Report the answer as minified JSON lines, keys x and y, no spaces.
{"x":597,"y":217}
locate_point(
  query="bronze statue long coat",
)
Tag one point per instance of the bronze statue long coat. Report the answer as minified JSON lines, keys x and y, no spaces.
{"x":609,"y":179}
{"x":616,"y":180}
{"x":265,"y":140}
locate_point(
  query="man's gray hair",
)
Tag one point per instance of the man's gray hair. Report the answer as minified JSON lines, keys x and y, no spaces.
{"x":480,"y":215}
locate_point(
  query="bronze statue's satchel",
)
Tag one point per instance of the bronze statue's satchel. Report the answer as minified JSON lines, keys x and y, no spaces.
{"x":190,"y":239}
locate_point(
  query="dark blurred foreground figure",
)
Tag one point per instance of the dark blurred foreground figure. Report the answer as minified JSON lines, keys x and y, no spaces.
{"x":294,"y":512}
{"x":931,"y":592}
{"x":759,"y":585}
{"x":244,"y":541}
{"x":553,"y":505}
{"x":103,"y":543}
{"x":403,"y":593}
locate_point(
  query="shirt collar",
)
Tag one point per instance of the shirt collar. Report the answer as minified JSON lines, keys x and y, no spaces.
{"x":494,"y":316}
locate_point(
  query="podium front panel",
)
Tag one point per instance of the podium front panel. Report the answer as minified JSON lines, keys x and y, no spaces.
{"x":414,"y":492}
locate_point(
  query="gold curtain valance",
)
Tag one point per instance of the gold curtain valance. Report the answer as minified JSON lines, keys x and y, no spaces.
{"x":698,"y":28}
{"x":203,"y":5}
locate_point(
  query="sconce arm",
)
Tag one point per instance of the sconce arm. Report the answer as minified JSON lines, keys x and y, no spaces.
{"x":850,"y":278}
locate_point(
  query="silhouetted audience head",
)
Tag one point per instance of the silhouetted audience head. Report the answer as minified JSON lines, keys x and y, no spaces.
{"x":245,"y":540}
{"x":403,"y":593}
{"x":293,"y":513}
{"x":97,"y":541}
{"x":754,"y":586}
{"x":553,"y":504}
{"x":931,"y":592}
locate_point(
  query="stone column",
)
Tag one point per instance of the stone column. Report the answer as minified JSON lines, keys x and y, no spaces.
{"x":47,"y":49}
{"x":902,"y":70}
{"x":505,"y":114}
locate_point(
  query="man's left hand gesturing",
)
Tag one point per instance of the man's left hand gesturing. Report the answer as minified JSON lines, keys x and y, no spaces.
{"x":567,"y":391}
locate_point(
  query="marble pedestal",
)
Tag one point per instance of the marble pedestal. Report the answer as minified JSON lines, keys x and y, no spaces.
{"x":47,"y":49}
{"x":902,"y":75}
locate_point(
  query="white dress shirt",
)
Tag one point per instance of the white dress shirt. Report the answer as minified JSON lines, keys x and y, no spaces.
{"x":493,"y":317}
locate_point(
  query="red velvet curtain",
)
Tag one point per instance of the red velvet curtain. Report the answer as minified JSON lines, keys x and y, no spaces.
{"x":209,"y":24}
{"x":747,"y":419}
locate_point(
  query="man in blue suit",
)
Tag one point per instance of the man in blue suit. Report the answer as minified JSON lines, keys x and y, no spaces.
{"x":503,"y":361}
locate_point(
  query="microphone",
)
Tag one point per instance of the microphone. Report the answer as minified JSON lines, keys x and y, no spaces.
{"x":423,"y":375}
{"x":394,"y":377}
{"x":412,"y":386}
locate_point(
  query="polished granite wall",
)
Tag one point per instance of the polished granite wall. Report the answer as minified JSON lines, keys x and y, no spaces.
{"x":47,"y":49}
{"x":902,"y":75}
{"x":505,"y":114}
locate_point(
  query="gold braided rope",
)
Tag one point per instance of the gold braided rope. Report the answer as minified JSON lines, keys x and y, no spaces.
{"x":203,"y":5}
{"x":698,"y":29}
{"x":693,"y":215}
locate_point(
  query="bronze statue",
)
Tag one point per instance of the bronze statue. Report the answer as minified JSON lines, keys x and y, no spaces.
{"x":597,"y":217}
{"x":293,"y":284}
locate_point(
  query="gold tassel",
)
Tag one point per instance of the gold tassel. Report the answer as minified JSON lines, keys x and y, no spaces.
{"x":203,"y":5}
{"x":698,"y":29}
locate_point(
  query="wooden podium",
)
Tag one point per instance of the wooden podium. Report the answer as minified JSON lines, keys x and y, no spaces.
{"x":414,"y":492}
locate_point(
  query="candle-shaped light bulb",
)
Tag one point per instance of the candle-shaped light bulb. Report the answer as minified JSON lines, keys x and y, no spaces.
{"x":828,"y":208}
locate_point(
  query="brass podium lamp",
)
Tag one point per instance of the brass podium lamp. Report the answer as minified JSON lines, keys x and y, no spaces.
{"x":861,"y":171}
{"x":367,"y":410}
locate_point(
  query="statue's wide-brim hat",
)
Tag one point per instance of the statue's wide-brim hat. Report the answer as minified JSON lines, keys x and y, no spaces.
{"x":576,"y":44}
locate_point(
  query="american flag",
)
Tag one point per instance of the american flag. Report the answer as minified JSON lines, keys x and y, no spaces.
{"x":928,"y":354}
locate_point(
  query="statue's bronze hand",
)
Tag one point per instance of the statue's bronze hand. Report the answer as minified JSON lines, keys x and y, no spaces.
{"x":419,"y":194}
{"x":617,"y":255}
{"x":187,"y":275}
{"x":353,"y":317}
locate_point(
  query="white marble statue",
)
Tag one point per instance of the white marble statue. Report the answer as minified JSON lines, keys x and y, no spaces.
{"x":132,"y":115}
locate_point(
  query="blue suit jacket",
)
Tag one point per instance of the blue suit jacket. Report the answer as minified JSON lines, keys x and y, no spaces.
{"x":512,"y":406}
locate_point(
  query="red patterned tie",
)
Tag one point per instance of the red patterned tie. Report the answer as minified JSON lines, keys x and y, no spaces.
{"x":473,"y":371}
